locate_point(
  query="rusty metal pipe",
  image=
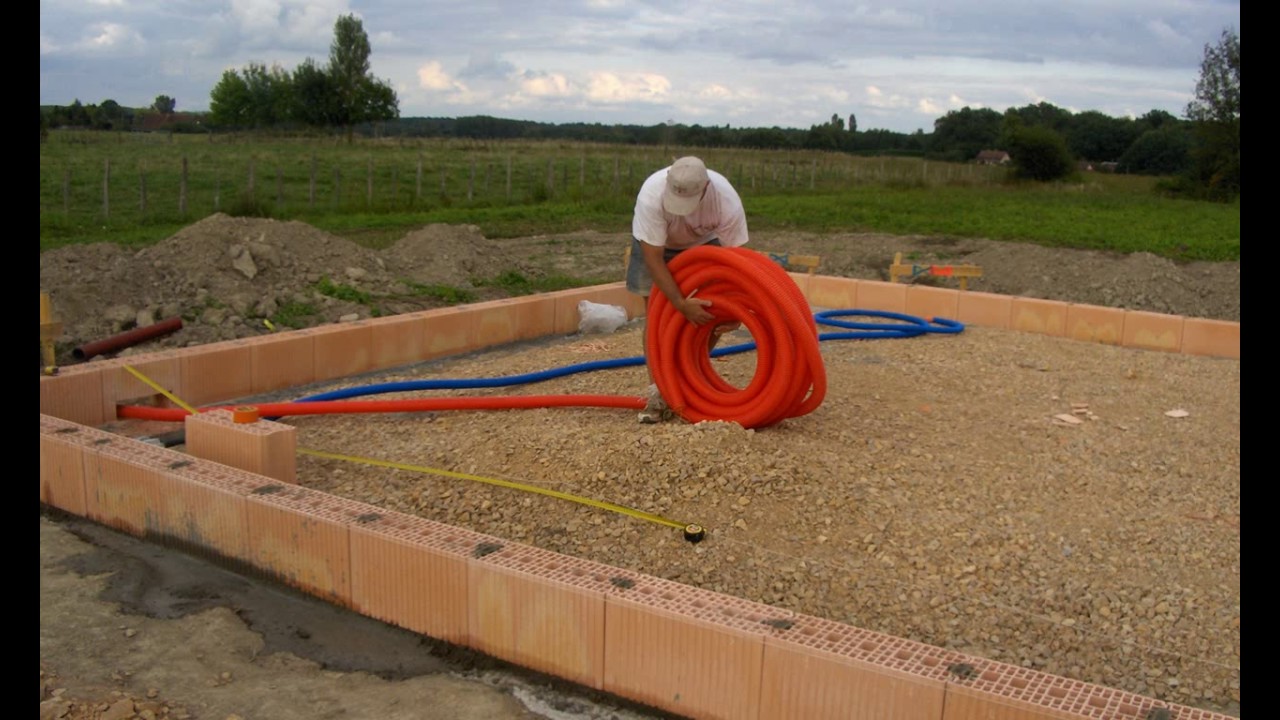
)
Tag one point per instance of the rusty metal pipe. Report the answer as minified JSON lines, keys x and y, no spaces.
{"x":127,"y":339}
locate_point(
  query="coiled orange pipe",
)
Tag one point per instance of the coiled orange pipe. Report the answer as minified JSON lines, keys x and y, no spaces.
{"x":743,"y":286}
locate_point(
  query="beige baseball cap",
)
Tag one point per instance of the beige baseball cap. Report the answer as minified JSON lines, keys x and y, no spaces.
{"x":686,"y":179}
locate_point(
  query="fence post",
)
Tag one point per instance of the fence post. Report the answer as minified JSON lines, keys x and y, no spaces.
{"x":182,"y":189}
{"x":106,"y":198}
{"x":417,"y":182}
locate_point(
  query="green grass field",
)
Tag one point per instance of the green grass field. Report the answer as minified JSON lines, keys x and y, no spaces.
{"x":137,"y":189}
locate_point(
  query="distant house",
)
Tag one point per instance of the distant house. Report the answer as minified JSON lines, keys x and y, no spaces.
{"x":992,"y":157}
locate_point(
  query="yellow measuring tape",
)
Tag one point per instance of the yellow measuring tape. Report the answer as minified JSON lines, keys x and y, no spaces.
{"x":692,"y":531}
{"x":160,"y":390}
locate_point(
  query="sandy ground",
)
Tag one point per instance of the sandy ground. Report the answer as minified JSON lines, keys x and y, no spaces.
{"x":934,"y":495}
{"x":129,"y":629}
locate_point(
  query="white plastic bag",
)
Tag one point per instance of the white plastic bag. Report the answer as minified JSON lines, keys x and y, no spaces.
{"x":598,"y":318}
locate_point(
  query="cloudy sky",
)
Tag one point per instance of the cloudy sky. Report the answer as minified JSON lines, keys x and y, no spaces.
{"x":895,"y":66}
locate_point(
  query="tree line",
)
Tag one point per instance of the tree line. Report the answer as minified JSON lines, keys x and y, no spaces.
{"x":1045,"y":142}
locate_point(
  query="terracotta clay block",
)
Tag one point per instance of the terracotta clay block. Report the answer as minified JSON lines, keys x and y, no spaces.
{"x":1046,"y":317}
{"x":343,"y":349}
{"x":535,"y":316}
{"x":62,"y":464}
{"x":121,"y":387}
{"x":75,"y":394}
{"x":667,"y":659}
{"x":1152,"y":331}
{"x":194,"y":511}
{"x":263,"y":447}
{"x":411,"y":573}
{"x":930,"y":302}
{"x":298,"y":537}
{"x":398,"y":340}
{"x":802,"y":281}
{"x":993,"y":691}
{"x":537,"y":623}
{"x":885,"y":296}
{"x":119,"y":491}
{"x":216,"y":373}
{"x":1215,"y":338}
{"x":823,"y":669}
{"x":448,"y":331}
{"x":832,"y":292}
{"x":1091,"y":323}
{"x":497,"y":322}
{"x":985,"y":309}
{"x":282,"y":360}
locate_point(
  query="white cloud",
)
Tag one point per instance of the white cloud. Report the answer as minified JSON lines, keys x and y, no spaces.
{"x":550,"y":85}
{"x":432,"y":76}
{"x":715,"y":92}
{"x":607,"y":87}
{"x":108,"y":37}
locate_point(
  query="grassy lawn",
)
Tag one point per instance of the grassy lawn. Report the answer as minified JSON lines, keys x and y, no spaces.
{"x":137,"y":189}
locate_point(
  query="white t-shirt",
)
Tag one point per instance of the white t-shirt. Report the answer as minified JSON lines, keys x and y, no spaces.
{"x":719,"y":215}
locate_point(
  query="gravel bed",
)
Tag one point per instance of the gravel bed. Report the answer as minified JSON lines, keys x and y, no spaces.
{"x":935,"y":494}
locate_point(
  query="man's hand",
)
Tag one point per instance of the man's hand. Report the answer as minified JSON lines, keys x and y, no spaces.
{"x":692,"y":309}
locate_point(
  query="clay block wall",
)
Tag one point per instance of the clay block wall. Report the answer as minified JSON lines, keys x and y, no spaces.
{"x":690,"y":651}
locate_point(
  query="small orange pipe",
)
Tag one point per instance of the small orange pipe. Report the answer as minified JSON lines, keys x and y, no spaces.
{"x":331,"y":407}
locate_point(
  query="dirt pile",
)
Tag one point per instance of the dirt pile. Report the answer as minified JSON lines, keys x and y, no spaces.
{"x":225,"y":276}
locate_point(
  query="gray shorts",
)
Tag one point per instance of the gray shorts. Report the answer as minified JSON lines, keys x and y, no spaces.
{"x":638,"y":279}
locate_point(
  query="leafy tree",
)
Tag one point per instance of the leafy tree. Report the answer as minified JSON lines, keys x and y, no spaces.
{"x":229,"y":102}
{"x":1098,"y":137}
{"x":1163,"y":151}
{"x":961,"y":134}
{"x":1215,"y":111}
{"x":764,"y":138}
{"x":269,"y":93}
{"x":164,"y":104}
{"x":110,"y":116}
{"x":312,"y":95}
{"x":1156,"y":119}
{"x":1039,"y":153}
{"x":358,"y":97}
{"x":853,"y":123}
{"x":1043,"y":114}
